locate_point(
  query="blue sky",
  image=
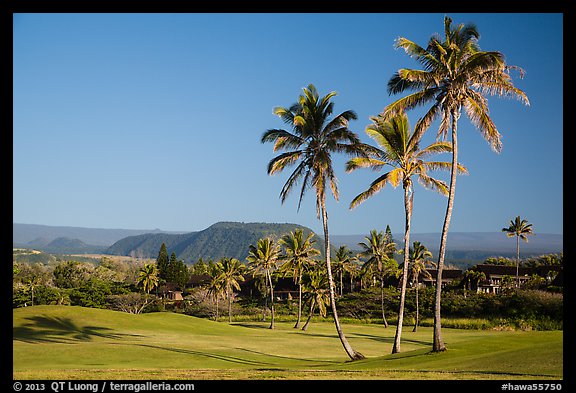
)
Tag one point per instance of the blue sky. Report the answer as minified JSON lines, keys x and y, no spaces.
{"x":143,"y":121}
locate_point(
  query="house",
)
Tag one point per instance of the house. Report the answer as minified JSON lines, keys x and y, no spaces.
{"x":495,"y":274}
{"x":174,"y":295}
{"x":448,"y":275}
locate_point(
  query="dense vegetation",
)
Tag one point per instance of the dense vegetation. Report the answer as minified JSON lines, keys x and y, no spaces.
{"x":113,"y":283}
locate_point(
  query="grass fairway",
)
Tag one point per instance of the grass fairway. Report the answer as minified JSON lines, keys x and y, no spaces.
{"x":63,"y":342}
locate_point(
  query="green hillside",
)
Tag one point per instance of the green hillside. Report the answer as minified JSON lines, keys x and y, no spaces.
{"x":223,"y":239}
{"x":64,"y":342}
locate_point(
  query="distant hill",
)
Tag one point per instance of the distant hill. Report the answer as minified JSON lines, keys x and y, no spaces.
{"x":23,"y":234}
{"x":223,"y":239}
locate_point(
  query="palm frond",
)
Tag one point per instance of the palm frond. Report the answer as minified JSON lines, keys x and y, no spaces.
{"x":477,"y":111}
{"x":278,"y":163}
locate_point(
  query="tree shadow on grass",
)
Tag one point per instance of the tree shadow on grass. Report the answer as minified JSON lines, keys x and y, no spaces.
{"x":318,"y":362}
{"x":225,"y":358}
{"x":390,"y":340}
{"x":41,"y":329}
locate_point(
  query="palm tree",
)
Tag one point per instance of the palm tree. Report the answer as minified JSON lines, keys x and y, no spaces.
{"x":263,"y":257}
{"x":456,"y":75}
{"x":419,"y":258}
{"x":298,"y":257}
{"x":309,"y":145}
{"x":399,"y":148}
{"x":231,"y":274}
{"x":520,"y":229}
{"x":148,"y":278}
{"x":216,"y":285}
{"x":316,"y":285}
{"x":342,"y":263}
{"x":473,"y":278}
{"x":376,"y":250}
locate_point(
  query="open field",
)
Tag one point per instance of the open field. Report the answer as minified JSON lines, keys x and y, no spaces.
{"x":65,"y":342}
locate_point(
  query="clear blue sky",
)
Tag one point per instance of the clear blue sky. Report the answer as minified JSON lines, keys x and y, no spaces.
{"x":143,"y":121}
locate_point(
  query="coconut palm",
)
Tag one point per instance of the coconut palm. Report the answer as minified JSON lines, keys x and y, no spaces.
{"x":342,"y":263}
{"x":299,"y":251}
{"x":231,"y":273}
{"x":315,"y":283}
{"x":216,"y":284}
{"x":520,"y":229}
{"x":148,"y":277}
{"x":456,"y":75}
{"x":309,"y":146}
{"x":399,"y":148}
{"x":419,"y":259}
{"x":263,"y":257}
{"x":376,"y":251}
{"x":472,"y":278}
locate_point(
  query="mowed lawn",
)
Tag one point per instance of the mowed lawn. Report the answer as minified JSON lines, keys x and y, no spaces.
{"x":64,"y":342}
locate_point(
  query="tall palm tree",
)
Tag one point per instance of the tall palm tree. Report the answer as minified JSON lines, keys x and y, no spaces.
{"x":520,"y":229}
{"x":375,"y":250}
{"x":263,"y":257}
{"x":315,"y":283}
{"x":456,"y":75}
{"x":342,"y":262}
{"x":216,"y":285}
{"x":309,"y":145}
{"x":419,"y":258}
{"x":299,"y":251}
{"x":231,"y":274}
{"x":399,"y":148}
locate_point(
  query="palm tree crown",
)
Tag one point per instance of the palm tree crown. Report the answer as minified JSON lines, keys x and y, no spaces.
{"x":456,"y":74}
{"x":400,"y":149}
{"x":310,"y":143}
{"x":148,"y":277}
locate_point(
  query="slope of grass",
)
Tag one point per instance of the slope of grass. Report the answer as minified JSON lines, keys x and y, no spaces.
{"x":63,"y":342}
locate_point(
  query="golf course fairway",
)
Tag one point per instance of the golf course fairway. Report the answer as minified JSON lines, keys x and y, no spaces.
{"x":69,"y":342}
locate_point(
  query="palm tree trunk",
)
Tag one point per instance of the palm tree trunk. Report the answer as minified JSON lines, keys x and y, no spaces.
{"x":517,"y":260}
{"x":299,"y":300}
{"x":347,"y":347}
{"x":384,"y":321}
{"x":408,"y":199}
{"x":229,"y":306}
{"x":438,"y":343}
{"x":417,"y":311}
{"x":312,"y":303}
{"x":269,"y":277}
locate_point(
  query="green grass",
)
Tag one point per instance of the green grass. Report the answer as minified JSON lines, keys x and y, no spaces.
{"x":63,"y":342}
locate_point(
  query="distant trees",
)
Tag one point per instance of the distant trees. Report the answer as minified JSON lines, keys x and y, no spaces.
{"x":171,"y":270}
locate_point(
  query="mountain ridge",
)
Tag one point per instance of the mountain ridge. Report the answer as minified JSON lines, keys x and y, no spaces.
{"x":222,"y":241}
